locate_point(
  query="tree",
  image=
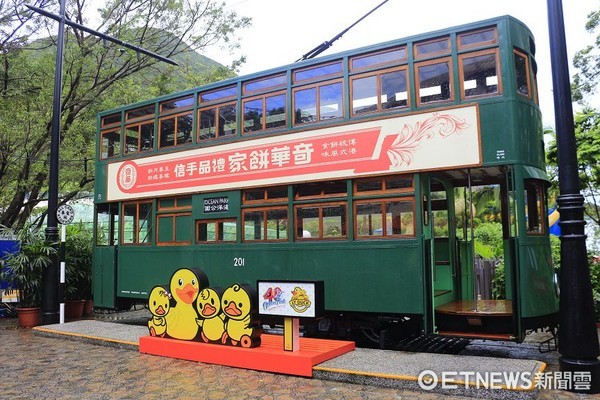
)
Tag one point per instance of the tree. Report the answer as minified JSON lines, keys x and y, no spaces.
{"x":97,"y":76}
{"x":587,"y":61}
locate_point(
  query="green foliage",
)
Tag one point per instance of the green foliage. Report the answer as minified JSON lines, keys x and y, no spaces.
{"x":488,"y":240}
{"x":499,"y":283}
{"x":594,"y":263}
{"x":23,"y":269}
{"x":78,"y":262}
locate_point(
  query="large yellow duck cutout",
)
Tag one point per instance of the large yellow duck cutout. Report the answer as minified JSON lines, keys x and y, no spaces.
{"x":159,"y":305}
{"x":239,"y":308}
{"x":184,"y":287}
{"x":208,"y":305}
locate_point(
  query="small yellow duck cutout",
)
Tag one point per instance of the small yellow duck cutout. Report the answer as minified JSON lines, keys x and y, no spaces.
{"x":208,"y":305}
{"x":239,"y":308}
{"x":159,"y":305}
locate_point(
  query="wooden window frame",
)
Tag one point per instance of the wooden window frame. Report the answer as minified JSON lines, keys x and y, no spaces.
{"x":318,"y":86}
{"x":321,"y":236}
{"x":136,"y":230}
{"x":264,"y":211}
{"x":174,"y":116}
{"x":384,"y":201}
{"x":216,"y":108}
{"x":176,"y":206}
{"x":263,"y":97}
{"x":129,"y":119}
{"x":101,"y":144}
{"x":494,"y":41}
{"x":179,"y":109}
{"x":384,"y":190}
{"x":539,"y":207}
{"x":419,"y":56}
{"x":378,"y":74}
{"x":104,"y":125}
{"x":517,"y":52}
{"x":380,"y":64}
{"x":461,"y":58}
{"x":319,"y":77}
{"x":245,"y":91}
{"x":173,"y":216}
{"x":216,"y":221}
{"x":218,"y":99}
{"x":139,"y":136}
{"x":266,"y":198}
{"x":322,"y":194}
{"x":447,"y":60}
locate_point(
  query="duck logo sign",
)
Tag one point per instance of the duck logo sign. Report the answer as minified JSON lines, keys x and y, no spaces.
{"x":191,"y":310}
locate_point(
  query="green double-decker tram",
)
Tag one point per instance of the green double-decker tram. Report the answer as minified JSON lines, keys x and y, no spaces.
{"x":358,"y":169}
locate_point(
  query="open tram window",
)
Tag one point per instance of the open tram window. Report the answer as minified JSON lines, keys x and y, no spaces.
{"x":136,"y":223}
{"x":434,"y":82}
{"x":107,"y":224}
{"x":522,"y":74}
{"x":535,"y":215}
{"x":217,"y":121}
{"x":110,"y":144}
{"x":215,"y":231}
{"x":479,"y":73}
{"x":321,"y":221}
{"x":175,"y":130}
{"x":265,"y":224}
{"x":379,"y":91}
{"x":139,"y":137}
{"x":384,"y":218}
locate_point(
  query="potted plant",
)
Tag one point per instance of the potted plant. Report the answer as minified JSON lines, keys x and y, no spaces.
{"x":78,"y":262}
{"x":22,"y":270}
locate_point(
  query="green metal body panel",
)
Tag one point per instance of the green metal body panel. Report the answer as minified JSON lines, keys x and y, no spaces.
{"x":103,"y":277}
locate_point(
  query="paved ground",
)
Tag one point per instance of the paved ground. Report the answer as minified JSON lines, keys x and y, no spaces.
{"x":33,"y":366}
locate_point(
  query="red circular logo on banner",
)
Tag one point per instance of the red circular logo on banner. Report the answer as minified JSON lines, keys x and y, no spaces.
{"x":127,"y":176}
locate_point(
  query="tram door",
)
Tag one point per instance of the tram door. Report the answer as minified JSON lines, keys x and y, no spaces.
{"x":105,"y":255}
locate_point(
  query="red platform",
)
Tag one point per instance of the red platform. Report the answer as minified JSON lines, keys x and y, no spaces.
{"x":269,"y":356}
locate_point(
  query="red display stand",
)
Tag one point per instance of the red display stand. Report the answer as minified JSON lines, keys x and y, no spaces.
{"x":270,"y":356}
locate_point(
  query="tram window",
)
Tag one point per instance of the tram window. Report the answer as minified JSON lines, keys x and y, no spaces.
{"x":384,"y":218}
{"x":107,"y":224}
{"x":175,"y":203}
{"x":217,"y":121}
{"x":275,"y":193}
{"x":146,"y":111}
{"x":175,"y":130}
{"x":318,"y":103}
{"x":224,"y":230}
{"x":534,"y":207}
{"x":369,"y":219}
{"x":319,"y":189}
{"x":111,"y":144}
{"x":270,"y":82}
{"x":432,"y":47}
{"x":434,"y":81}
{"x":218,"y":94}
{"x":320,"y":71}
{"x":111,"y":119}
{"x":323,"y":221}
{"x":479,"y":74}
{"x":265,"y":224}
{"x":477,"y":38}
{"x":173,"y":105}
{"x":389,"y":183}
{"x":522,"y":73}
{"x":380,"y":91}
{"x":136,"y":226}
{"x":264,"y":113}
{"x":379,"y":58}
{"x":174,"y":228}
{"x":139,"y":137}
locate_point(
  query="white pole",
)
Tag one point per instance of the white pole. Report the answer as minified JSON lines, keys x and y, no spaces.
{"x":63,"y":238}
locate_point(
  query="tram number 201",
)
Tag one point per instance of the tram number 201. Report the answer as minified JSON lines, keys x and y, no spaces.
{"x":239,"y":261}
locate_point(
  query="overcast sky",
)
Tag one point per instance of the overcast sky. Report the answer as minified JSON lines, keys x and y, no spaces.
{"x":282,"y":31}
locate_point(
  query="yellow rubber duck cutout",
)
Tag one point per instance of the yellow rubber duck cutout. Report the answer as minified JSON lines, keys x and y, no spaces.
{"x":208,"y":305}
{"x":238,"y":307}
{"x":184,"y":287}
{"x":159,"y":305}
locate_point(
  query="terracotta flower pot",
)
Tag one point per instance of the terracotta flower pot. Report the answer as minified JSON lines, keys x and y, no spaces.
{"x":74,"y":309}
{"x":88,"y":308}
{"x":29,"y":316}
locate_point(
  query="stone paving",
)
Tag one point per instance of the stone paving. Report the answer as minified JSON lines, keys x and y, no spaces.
{"x":34,"y":366}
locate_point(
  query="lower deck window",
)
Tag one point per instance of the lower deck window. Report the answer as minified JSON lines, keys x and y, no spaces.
{"x":385,"y":218}
{"x":224,"y":230}
{"x":534,"y":207}
{"x":137,"y":223}
{"x":269,"y":224}
{"x":323,"y":221}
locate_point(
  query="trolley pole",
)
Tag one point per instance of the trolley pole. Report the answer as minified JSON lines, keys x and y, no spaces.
{"x":577,"y":336}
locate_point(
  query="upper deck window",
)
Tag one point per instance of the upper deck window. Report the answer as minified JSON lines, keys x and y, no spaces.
{"x":217,"y":121}
{"x":481,"y":37}
{"x":522,"y":74}
{"x":110,"y":144}
{"x":379,"y":58}
{"x":139,"y":137}
{"x":177,"y":104}
{"x":219,"y":94}
{"x":265,"y":112}
{"x":320,"y":71}
{"x":479,"y":73}
{"x":262,"y":84}
{"x":175,"y":130}
{"x":146,"y":111}
{"x":432,"y":47}
{"x":379,"y":91}
{"x":319,"y":102}
{"x":433,"y":81}
{"x":111,"y":119}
